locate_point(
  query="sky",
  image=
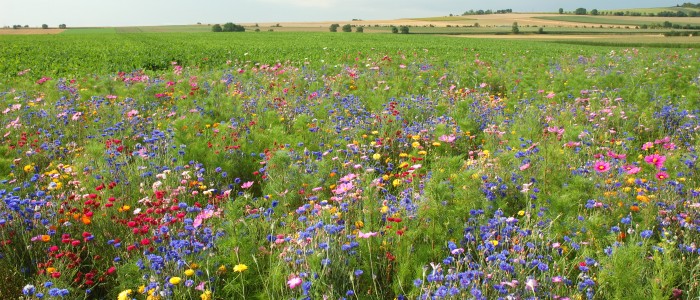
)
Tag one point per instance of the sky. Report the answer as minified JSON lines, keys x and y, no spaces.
{"x":83,"y":13}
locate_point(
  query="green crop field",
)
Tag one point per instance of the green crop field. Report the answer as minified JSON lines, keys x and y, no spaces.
{"x":614,"y":20}
{"x":149,"y":164}
{"x":88,"y":30}
{"x":655,"y":10}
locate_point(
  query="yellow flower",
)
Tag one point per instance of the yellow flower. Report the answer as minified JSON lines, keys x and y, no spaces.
{"x":206,"y":295}
{"x":175,"y":280}
{"x":240,"y":268}
{"x":189,"y":272}
{"x":28,"y":168}
{"x":222,"y":269}
{"x":124,"y":295}
{"x":376,"y":156}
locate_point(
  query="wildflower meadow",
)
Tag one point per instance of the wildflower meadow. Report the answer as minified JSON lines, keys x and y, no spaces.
{"x":279,"y":165}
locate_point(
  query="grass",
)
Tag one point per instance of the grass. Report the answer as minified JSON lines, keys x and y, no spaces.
{"x":90,"y":30}
{"x":629,"y":21}
{"x":168,"y":28}
{"x":654,"y":10}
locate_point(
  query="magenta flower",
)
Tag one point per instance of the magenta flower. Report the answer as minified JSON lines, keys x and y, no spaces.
{"x":247,"y":185}
{"x":631,"y":169}
{"x":656,"y":160}
{"x":601,"y":166}
{"x":662,"y":175}
{"x":294,"y":282}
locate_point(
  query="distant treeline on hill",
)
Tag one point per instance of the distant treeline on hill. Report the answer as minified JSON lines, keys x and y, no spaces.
{"x":667,"y":13}
{"x":487,"y":12}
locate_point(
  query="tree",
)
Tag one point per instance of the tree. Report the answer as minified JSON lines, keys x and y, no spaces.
{"x":62,"y":26}
{"x":334,"y":27}
{"x":359,"y":29}
{"x":347,"y":28}
{"x":594,"y":12}
{"x":561,"y":11}
{"x":394,"y":29}
{"x":230,"y":27}
{"x":216,"y":28}
{"x":44,"y":26}
{"x":404,"y":29}
{"x":580,"y":11}
{"x":515,"y":29}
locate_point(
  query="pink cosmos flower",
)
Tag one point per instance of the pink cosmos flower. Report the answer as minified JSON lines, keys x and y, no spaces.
{"x":647,"y":145}
{"x":132,"y":113}
{"x":631,"y":169}
{"x":601,"y":166}
{"x":662,"y":175}
{"x":531,"y":284}
{"x":447,"y":138}
{"x":247,"y":185}
{"x":363,"y":235}
{"x":616,"y":156}
{"x":294,"y":282}
{"x":656,"y":160}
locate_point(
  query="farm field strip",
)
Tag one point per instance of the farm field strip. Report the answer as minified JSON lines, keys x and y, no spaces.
{"x":308,"y":165}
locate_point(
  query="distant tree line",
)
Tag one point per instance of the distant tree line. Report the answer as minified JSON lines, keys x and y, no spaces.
{"x":228,"y":27}
{"x":487,"y":12}
{"x":679,"y":13}
{"x":690,"y":5}
{"x":346,"y":28}
{"x":43,"y":26}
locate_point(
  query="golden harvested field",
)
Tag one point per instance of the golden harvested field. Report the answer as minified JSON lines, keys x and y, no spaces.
{"x":30,"y":31}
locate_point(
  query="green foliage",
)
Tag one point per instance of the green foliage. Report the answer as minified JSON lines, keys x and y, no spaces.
{"x":359,"y":29}
{"x":394,"y":29}
{"x":580,"y":11}
{"x":515,"y":29}
{"x":334,"y":27}
{"x":217,"y":28}
{"x":347,"y":28}
{"x":231,"y":27}
{"x":403,"y":29}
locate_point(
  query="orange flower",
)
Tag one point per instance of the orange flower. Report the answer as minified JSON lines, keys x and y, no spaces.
{"x":45,"y":238}
{"x":86,"y":220}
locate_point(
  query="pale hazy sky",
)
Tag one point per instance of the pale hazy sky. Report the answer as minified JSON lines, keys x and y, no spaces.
{"x":172,"y":12}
